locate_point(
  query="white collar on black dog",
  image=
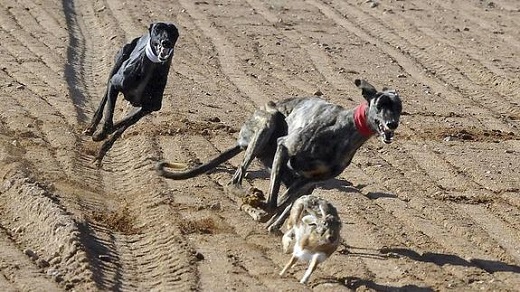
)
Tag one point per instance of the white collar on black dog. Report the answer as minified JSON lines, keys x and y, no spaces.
{"x":150,"y":54}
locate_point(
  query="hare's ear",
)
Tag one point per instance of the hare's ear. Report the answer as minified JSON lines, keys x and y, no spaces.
{"x":367,"y":90}
{"x":309,"y":220}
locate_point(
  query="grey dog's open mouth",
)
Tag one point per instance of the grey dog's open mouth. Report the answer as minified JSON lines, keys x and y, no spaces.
{"x":385,"y":134}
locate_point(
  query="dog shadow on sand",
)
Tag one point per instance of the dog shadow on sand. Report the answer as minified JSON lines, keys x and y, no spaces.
{"x":440,"y":259}
{"x":339,"y":184}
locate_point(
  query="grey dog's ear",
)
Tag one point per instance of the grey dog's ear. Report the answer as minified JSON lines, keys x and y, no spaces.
{"x":367,"y":90}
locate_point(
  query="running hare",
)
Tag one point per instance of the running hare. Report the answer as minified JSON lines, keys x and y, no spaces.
{"x":313,"y":233}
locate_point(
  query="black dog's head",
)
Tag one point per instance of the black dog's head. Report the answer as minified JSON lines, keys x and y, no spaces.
{"x":384,"y":109}
{"x":163,"y":37}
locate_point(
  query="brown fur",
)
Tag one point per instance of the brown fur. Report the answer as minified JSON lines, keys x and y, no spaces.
{"x":313,"y":233}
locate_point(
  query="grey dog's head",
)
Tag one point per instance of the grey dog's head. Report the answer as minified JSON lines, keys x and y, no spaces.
{"x":384,"y":109}
{"x":163,"y":37}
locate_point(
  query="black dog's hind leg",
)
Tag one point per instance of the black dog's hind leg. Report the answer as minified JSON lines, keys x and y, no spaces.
{"x":120,"y":57}
{"x":122,"y":125}
{"x":108,"y":124}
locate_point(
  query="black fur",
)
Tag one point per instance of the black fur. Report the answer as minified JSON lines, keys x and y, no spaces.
{"x":140,"y":77}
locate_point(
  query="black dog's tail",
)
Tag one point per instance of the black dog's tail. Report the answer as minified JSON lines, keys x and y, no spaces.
{"x":180,"y":175}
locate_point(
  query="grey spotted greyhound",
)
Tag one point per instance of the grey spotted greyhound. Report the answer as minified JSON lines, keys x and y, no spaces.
{"x":304,"y":141}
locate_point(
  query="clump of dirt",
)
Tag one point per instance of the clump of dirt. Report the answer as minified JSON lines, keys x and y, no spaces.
{"x":255,"y":198}
{"x":120,"y":220}
{"x":199,"y":226}
{"x":476,"y":135}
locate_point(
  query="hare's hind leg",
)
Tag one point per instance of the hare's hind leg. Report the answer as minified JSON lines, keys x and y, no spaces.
{"x":289,"y":265}
{"x":312,"y":266}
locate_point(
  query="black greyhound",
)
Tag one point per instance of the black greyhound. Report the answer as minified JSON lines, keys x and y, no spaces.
{"x":140,"y":72}
{"x":304,"y":141}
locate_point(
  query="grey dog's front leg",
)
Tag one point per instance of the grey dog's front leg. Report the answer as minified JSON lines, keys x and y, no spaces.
{"x":274,"y":224}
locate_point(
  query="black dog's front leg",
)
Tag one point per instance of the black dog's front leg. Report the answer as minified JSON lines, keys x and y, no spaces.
{"x":97,"y":116}
{"x":110,"y":99}
{"x":120,"y":127}
{"x":121,"y":56}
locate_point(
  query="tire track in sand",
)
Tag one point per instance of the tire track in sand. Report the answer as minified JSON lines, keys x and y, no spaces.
{"x":138,"y":246}
{"x":473,"y":72}
{"x":472,"y":88}
{"x":48,"y":235}
{"x":415,"y":63}
{"x":36,"y":216}
{"x":320,"y":60}
{"x":18,"y":273}
{"x":99,"y":239}
{"x":226,"y":54}
{"x":75,"y":57}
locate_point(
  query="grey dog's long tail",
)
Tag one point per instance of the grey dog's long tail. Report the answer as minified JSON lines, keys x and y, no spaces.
{"x":180,"y":175}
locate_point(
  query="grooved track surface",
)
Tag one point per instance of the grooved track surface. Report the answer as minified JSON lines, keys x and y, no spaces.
{"x":438,"y":209}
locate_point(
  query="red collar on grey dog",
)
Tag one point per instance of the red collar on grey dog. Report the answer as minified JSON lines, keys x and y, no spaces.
{"x":149,"y":53}
{"x":360,"y":120}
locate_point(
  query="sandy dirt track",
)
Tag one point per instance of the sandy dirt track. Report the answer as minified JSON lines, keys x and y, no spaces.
{"x":437,"y":210}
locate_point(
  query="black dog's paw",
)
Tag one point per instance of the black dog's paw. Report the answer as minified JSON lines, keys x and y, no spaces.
{"x":89,"y":131}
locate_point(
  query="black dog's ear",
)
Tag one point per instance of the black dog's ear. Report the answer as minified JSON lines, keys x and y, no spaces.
{"x":367,"y":90}
{"x":174,"y":30}
{"x":151,"y":27}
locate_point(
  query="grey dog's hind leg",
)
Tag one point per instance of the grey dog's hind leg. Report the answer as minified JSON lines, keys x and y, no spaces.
{"x":299,"y":188}
{"x":256,"y":144}
{"x":264,"y":124}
